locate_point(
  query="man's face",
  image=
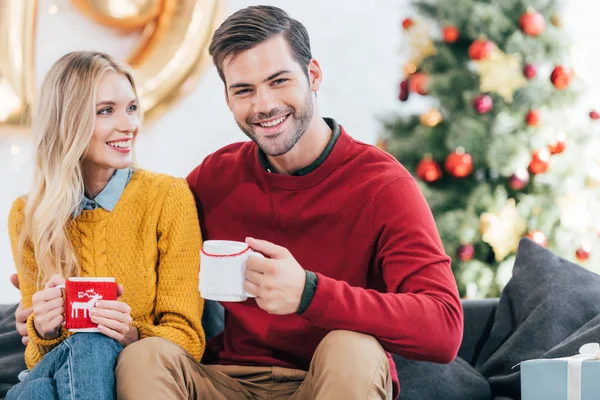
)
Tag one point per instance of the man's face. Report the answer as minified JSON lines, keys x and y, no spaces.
{"x":270,"y":96}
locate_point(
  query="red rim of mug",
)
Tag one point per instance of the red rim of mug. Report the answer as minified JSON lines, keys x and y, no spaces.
{"x":226,"y":255}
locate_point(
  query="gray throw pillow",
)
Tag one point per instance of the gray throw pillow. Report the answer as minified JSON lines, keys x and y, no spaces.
{"x":547,"y":309}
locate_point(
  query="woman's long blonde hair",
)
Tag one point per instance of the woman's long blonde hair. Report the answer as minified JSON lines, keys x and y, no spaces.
{"x":63,"y":126}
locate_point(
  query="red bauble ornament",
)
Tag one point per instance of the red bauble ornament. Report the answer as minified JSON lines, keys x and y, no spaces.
{"x":519,"y":179}
{"x":532,"y":23}
{"x":530,"y":71}
{"x":583,"y":253}
{"x":419,"y":83}
{"x":481,"y":49}
{"x":559,"y":144}
{"x":540,"y":161}
{"x":450,"y":34}
{"x":407,"y":23}
{"x":483,"y":104}
{"x":429,"y":170}
{"x":594,"y":115}
{"x":465,"y":252}
{"x":561,"y":77}
{"x":403,"y":96}
{"x":459,"y":164}
{"x":538,"y":237}
{"x":533,"y":118}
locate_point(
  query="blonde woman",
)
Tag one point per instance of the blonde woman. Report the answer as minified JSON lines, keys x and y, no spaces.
{"x":90,"y":213}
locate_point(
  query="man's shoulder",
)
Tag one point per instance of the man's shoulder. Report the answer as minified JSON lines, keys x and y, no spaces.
{"x":379,"y":165}
{"x":222,"y":162}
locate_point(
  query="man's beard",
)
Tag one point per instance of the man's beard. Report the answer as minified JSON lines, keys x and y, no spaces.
{"x":300,"y":121}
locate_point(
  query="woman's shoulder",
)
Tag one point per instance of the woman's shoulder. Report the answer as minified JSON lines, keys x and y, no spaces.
{"x":156,"y":178}
{"x":18,"y":206}
{"x":161,"y":182}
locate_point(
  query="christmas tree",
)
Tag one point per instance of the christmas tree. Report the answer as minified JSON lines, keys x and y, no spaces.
{"x":507,"y":148}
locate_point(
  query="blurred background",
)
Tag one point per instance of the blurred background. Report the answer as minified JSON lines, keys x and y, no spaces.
{"x":366,"y":50}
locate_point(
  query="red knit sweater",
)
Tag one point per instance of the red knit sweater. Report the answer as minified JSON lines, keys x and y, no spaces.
{"x":360,"y":222}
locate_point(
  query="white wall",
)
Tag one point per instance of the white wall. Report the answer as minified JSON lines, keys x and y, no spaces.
{"x":358,"y":46}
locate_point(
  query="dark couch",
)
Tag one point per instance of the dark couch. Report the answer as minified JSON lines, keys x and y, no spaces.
{"x":479,"y":315}
{"x":548,"y":309}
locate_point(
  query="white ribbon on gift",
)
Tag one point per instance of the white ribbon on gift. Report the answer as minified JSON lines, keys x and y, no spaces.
{"x":588,"y":351}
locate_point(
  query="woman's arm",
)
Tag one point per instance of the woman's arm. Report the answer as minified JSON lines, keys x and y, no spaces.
{"x":27,"y":270}
{"x":178,"y":303}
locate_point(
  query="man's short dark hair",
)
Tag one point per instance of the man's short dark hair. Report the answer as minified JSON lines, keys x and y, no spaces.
{"x":253,"y":25}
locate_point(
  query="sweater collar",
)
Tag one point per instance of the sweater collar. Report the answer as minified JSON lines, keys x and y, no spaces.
{"x":335,"y":129}
{"x":339,"y":148}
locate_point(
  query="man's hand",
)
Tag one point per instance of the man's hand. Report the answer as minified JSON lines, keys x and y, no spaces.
{"x":277,"y":281}
{"x":21,"y":314}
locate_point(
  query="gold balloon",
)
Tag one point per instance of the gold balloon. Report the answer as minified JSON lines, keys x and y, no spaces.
{"x":122,"y":14}
{"x":17,"y":24}
{"x":172,"y":52}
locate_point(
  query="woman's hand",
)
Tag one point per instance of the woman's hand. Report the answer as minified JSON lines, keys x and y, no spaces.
{"x":114,"y":320}
{"x":49,"y":308}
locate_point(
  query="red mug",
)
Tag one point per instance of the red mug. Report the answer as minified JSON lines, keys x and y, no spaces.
{"x":81,"y":295}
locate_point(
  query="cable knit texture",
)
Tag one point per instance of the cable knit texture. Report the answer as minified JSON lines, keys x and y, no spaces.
{"x":150,"y":243}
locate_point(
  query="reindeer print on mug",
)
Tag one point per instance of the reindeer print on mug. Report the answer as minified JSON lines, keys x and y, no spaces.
{"x":85,"y":306}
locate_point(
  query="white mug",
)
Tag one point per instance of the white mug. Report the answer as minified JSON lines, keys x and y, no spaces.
{"x":223,"y":270}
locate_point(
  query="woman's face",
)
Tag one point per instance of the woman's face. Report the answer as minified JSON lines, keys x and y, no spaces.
{"x":116,"y":125}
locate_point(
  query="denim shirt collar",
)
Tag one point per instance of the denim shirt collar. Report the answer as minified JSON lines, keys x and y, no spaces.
{"x":109,"y":196}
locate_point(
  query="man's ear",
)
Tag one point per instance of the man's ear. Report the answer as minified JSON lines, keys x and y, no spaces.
{"x":315,"y":75}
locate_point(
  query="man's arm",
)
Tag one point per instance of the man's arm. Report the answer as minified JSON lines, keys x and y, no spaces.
{"x":420,"y":317}
{"x":21,"y":314}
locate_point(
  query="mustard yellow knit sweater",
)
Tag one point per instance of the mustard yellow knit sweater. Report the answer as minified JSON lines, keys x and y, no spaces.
{"x":150,"y":243}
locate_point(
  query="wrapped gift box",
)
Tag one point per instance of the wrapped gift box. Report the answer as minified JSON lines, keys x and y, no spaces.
{"x":568,"y":378}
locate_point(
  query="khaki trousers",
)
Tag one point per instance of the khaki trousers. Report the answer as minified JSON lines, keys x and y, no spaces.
{"x":346,"y":365}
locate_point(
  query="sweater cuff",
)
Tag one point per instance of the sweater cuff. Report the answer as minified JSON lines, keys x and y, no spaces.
{"x":37,"y":339}
{"x":324,"y":292}
{"x":144,"y":330}
{"x":310,"y":287}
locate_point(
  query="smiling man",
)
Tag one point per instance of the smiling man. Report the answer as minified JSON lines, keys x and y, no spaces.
{"x":354,"y":266}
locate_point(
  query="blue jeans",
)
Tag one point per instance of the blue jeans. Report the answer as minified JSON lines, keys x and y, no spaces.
{"x":81,"y":367}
